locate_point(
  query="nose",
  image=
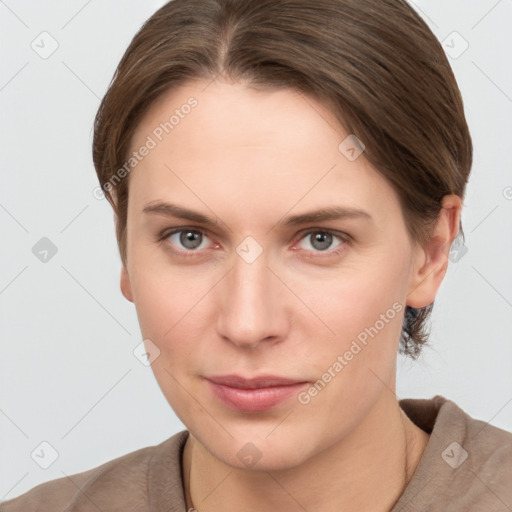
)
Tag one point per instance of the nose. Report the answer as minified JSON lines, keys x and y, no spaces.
{"x":252,"y":305}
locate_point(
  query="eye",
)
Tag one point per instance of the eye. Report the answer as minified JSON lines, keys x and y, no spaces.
{"x":186,"y":239}
{"x":322,"y":240}
{"x":189,"y":241}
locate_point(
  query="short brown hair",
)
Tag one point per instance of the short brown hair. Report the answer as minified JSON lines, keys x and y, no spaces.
{"x":376,"y":64}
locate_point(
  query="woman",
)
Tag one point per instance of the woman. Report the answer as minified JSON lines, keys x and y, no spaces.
{"x":287,"y":179}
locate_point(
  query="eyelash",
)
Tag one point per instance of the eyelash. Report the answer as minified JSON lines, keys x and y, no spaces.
{"x":344,"y":237}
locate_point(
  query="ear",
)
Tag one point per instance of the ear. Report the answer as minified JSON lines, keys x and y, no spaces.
{"x":126,"y":287}
{"x":431,"y":261}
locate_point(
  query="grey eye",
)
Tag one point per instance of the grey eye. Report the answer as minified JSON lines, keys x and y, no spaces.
{"x":188,"y":239}
{"x":320,"y":240}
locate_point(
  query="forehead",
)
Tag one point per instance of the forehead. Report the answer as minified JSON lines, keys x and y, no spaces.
{"x":218,"y":140}
{"x":235,"y":115}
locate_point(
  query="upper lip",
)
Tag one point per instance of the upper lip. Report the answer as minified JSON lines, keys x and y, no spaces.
{"x":262,"y":381}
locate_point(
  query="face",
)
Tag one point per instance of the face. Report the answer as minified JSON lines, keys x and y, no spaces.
{"x":263,"y":290}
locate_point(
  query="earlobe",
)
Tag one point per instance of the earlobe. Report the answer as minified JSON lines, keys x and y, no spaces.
{"x":126,"y":288}
{"x":431,"y":261}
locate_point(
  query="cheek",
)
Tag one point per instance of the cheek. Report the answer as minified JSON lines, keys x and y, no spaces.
{"x":356,"y":297}
{"x":172,"y":302}
{"x":168,"y":307}
{"x":161,"y":297}
{"x":353,"y":367}
{"x":361,"y":310}
{"x":174,"y":309}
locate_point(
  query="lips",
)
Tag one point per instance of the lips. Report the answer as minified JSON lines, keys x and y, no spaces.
{"x":263,"y":381}
{"x":255,"y":394}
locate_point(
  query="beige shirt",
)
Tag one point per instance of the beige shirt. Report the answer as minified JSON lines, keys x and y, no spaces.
{"x":466,"y":466}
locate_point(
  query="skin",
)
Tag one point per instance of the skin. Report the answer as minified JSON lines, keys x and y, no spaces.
{"x":251,"y":158}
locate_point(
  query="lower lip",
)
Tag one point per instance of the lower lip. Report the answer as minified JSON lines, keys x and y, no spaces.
{"x":254,"y":400}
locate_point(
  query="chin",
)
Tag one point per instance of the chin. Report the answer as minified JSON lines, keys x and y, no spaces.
{"x":261,"y":451}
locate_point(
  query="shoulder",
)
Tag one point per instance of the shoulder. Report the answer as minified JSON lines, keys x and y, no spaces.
{"x":118,"y":483}
{"x":489,"y":451}
{"x":467,"y":464}
{"x":486,"y":445}
{"x":478,"y":460}
{"x":440,"y":416}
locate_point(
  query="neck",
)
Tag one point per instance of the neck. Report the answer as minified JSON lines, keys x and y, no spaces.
{"x":367,"y":470}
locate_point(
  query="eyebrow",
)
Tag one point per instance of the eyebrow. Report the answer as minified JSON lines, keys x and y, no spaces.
{"x":320,"y":215}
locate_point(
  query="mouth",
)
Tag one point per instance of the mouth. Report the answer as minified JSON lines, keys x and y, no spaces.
{"x":256,"y":394}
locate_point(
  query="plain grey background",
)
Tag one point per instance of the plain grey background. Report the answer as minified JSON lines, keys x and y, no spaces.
{"x":70,"y":379}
